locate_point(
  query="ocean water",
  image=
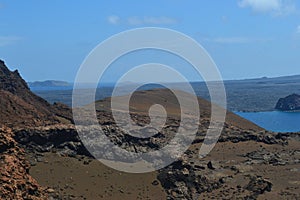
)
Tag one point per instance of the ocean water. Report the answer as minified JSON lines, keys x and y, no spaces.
{"x":54,"y":88}
{"x":274,"y":121}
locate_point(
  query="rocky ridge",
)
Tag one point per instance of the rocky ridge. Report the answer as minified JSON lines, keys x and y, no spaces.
{"x":22,"y":108}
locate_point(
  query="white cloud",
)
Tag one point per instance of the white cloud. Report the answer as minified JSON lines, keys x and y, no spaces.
{"x":135,"y":20}
{"x":8,"y":40}
{"x":113,"y":19}
{"x":275,"y":7}
{"x":235,"y":40}
{"x":261,"y":5}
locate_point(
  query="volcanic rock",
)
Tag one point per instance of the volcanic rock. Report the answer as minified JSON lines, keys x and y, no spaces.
{"x":15,"y":182}
{"x":289,"y":103}
{"x":258,"y":185}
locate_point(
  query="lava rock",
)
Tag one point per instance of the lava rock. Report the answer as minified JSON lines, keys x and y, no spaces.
{"x":289,"y":103}
{"x":258,"y":185}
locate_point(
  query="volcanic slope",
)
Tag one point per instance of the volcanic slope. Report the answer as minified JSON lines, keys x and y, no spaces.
{"x":20,"y":107}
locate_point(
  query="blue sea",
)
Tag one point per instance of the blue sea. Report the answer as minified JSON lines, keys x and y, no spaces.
{"x":274,"y":121}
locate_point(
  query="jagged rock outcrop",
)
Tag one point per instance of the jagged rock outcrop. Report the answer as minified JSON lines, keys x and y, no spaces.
{"x":15,"y":182}
{"x":22,"y":108}
{"x":289,"y":103}
{"x":60,"y":138}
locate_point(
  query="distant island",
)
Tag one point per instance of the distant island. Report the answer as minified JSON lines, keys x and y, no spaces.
{"x":49,"y":83}
{"x":289,"y":103}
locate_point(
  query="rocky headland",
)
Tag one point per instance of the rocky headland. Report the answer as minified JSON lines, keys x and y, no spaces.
{"x":289,"y":103}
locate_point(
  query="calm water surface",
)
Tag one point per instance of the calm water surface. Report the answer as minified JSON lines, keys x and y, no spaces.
{"x":275,"y":121}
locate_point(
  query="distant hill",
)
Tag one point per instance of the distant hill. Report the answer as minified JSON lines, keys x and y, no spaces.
{"x":276,"y":80}
{"x":49,"y":83}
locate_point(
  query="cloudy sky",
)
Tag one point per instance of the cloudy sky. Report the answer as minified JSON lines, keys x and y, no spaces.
{"x":245,"y":38}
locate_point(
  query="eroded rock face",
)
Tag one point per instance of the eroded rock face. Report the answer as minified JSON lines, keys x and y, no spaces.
{"x":15,"y":182}
{"x":289,"y":103}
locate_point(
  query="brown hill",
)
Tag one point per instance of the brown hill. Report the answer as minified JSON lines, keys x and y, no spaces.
{"x":141,"y":101}
{"x":22,"y":108}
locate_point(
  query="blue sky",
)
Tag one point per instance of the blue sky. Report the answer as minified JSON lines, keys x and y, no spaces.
{"x":246,"y":38}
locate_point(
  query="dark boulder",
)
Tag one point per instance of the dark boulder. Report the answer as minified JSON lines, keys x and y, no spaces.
{"x":289,"y":103}
{"x":258,"y":185}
